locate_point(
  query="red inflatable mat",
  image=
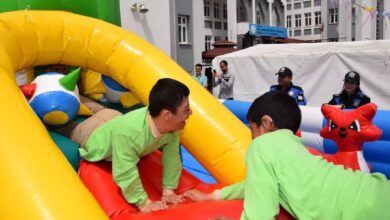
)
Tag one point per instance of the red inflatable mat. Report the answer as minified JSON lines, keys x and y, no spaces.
{"x":98,"y":179}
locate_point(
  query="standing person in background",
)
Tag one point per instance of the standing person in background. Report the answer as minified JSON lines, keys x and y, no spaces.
{"x":198,"y":76}
{"x":285,"y":84}
{"x":351,"y":96}
{"x":225,"y":80}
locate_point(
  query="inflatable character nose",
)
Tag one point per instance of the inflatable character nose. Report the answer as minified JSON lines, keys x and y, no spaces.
{"x":343,"y":132}
{"x":69,"y":81}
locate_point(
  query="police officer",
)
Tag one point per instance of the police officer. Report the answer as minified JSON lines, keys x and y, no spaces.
{"x":351,"y":96}
{"x":285,"y":84}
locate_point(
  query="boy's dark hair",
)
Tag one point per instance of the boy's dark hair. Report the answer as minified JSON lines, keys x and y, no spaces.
{"x":166,"y":94}
{"x":283,"y":110}
{"x":224,"y":62}
{"x":199,"y":65}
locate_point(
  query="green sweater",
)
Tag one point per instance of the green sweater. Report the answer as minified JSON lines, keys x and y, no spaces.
{"x":281,"y":171}
{"x":124,"y":140}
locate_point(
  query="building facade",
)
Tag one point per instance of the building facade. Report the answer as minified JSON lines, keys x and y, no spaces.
{"x":183,"y":29}
{"x":338,"y":20}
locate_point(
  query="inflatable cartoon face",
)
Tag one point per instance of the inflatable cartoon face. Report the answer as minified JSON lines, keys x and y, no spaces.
{"x":350,"y":129}
{"x":54,"y":97}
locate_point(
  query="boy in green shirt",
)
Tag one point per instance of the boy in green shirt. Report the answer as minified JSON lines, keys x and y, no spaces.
{"x":124,"y":139}
{"x":281,"y":171}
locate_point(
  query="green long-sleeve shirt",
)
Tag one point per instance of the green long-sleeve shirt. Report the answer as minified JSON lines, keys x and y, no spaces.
{"x":124,"y":140}
{"x":281,"y":171}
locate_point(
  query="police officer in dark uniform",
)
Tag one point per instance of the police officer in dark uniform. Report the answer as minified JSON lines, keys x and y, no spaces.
{"x":351,"y":96}
{"x":285,"y":84}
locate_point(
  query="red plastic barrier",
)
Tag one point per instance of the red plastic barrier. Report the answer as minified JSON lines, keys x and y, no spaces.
{"x":98,"y":179}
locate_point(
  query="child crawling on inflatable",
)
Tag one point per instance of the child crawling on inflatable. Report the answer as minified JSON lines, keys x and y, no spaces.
{"x":280,"y":170}
{"x":124,"y":139}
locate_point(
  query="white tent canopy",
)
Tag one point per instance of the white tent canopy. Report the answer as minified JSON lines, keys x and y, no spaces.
{"x":319,"y":68}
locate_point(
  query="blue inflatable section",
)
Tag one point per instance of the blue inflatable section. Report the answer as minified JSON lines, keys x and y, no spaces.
{"x":376,"y":153}
{"x":195,"y":168}
{"x":239,"y":109}
{"x":113,"y":84}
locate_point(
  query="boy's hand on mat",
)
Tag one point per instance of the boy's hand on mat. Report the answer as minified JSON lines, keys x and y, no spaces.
{"x":172,"y":198}
{"x":152,"y":206}
{"x":220,"y":218}
{"x":196,"y":195}
{"x":169,"y":196}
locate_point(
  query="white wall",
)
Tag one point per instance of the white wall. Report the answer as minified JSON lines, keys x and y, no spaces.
{"x":367,"y":29}
{"x":345,"y":23}
{"x":242,"y":28}
{"x":153,"y":26}
{"x":198,"y":30}
{"x":386,"y":24}
{"x":232,"y":20}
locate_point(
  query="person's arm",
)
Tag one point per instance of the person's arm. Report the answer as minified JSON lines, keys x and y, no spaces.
{"x":172,"y":166}
{"x":216,"y":80}
{"x":230,"y":82}
{"x":333,"y":101}
{"x":205,"y":82}
{"x":261,"y":196}
{"x":301,"y":98}
{"x":125,"y":170}
{"x":232,"y":192}
{"x":365,"y":100}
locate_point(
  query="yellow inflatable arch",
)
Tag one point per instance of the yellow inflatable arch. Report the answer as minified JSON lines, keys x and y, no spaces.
{"x":36,"y":181}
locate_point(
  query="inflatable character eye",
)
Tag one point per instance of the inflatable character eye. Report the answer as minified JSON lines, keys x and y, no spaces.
{"x":332,"y":125}
{"x":355,"y":126}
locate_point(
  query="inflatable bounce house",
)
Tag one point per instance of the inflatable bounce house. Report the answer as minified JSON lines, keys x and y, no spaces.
{"x":42,"y":183}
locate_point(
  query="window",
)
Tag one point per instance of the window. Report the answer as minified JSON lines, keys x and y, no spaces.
{"x":207,"y":43}
{"x":297,"y":5}
{"x":333,"y":16}
{"x":317,"y":30}
{"x":183,"y":29}
{"x":260,"y":14}
{"x":288,"y":21}
{"x":298,"y":22}
{"x":217,"y":38}
{"x":307,"y":4}
{"x":317,"y":2}
{"x":297,"y":33}
{"x":307,"y":19}
{"x":224,"y":11}
{"x":208,"y":24}
{"x":206,"y":8}
{"x":242,"y":13}
{"x":317,"y":18}
{"x":288,"y":7}
{"x":307,"y":32}
{"x":290,"y":34}
{"x":225,"y":27}
{"x":333,"y":40}
{"x":216,"y":9}
{"x":218,"y":25}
